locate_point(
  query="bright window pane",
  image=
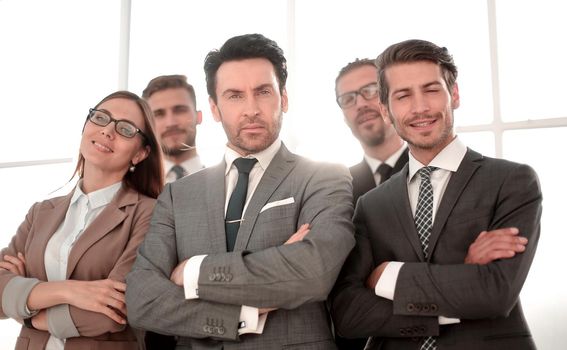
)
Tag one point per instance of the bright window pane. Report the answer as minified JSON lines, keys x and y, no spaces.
{"x":53,"y":68}
{"x":544,"y":295}
{"x":482,"y":142}
{"x":532,"y":55}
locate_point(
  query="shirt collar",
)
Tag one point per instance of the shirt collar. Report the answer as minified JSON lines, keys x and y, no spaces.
{"x":448,"y":159}
{"x":264,"y":157}
{"x":191,"y":165}
{"x":374,"y":163}
{"x":97,"y":198}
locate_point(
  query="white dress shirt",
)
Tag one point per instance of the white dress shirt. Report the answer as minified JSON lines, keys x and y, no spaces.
{"x":191,"y":165}
{"x":374,"y":163}
{"x":83,"y":209}
{"x":447,"y":162}
{"x":250,"y":321}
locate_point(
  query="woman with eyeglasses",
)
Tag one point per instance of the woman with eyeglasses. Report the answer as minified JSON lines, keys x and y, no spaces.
{"x":64,"y":270}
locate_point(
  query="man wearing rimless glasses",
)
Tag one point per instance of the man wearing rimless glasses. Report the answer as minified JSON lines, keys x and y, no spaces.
{"x":356,"y":89}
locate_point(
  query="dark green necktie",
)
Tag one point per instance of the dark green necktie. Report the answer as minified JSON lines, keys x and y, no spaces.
{"x":237,"y":200}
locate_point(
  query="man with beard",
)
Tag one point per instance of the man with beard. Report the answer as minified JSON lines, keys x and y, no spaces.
{"x":452,"y":235}
{"x":242,"y":255}
{"x":356,"y":90}
{"x":176,"y":117}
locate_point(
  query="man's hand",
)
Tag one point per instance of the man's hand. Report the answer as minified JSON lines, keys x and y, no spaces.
{"x":497,"y":244}
{"x":372,"y":280}
{"x":177,"y":274}
{"x":299,"y":235}
{"x":14,"y":264}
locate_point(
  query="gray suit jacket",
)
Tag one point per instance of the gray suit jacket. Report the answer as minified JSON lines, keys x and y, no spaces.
{"x":260,"y":272}
{"x":483,"y":194}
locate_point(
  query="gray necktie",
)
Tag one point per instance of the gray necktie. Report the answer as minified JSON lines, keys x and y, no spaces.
{"x":424,"y":223}
{"x":179,"y":171}
{"x":237,"y":199}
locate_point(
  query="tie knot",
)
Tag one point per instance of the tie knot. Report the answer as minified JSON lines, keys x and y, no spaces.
{"x":245,"y":165}
{"x":425,"y":172}
{"x":384,"y":170}
{"x":179,"y":171}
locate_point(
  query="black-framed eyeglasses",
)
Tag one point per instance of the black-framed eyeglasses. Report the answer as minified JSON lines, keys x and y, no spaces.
{"x":348,"y":99}
{"x":123,"y":127}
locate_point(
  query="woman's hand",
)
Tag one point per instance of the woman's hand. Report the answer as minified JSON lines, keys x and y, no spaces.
{"x":102,"y":296}
{"x":14,"y":264}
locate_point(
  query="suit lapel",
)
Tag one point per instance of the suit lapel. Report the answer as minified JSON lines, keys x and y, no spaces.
{"x":401,"y":161}
{"x":399,"y":196}
{"x":455,"y":188}
{"x":277,"y":171}
{"x":215,"y":187}
{"x":110,"y":217}
{"x":48,"y":221}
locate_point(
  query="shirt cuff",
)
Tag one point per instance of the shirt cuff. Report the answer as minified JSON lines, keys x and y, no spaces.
{"x":387,"y":283}
{"x":15,"y":297}
{"x":251,"y":321}
{"x":60,"y":323}
{"x":191,"y":276}
{"x":447,"y":320}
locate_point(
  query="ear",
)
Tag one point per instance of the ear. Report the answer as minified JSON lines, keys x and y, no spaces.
{"x":455,"y":97}
{"x":198,"y":118}
{"x":142,"y":154}
{"x":385,"y":113}
{"x":214,"y":110}
{"x":284,"y":100}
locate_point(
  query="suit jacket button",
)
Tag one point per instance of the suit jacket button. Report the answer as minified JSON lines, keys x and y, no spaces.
{"x":211,"y":277}
{"x":410,"y":307}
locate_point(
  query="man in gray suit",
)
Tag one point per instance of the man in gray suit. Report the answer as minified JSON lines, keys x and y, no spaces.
{"x":439,"y":262}
{"x":263,"y":284}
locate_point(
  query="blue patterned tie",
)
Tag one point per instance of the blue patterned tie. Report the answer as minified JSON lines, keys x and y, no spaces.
{"x":237,"y":199}
{"x":424,"y":222}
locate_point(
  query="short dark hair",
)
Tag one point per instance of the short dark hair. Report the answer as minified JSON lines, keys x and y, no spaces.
{"x":240,"y":48}
{"x":148,"y":177}
{"x":359,"y":62}
{"x":414,"y":50}
{"x":164,"y":82}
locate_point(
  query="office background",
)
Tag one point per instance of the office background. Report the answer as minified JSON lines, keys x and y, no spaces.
{"x":60,"y":57}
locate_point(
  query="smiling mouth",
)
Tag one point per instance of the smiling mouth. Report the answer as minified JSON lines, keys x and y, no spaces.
{"x":102,"y":147}
{"x":422,"y":123}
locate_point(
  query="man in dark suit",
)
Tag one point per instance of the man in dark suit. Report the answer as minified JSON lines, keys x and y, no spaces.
{"x":356,"y":90}
{"x":253,"y":275}
{"x":439,"y":261}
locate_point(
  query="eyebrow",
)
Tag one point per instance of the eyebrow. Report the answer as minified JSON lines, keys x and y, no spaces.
{"x":257,"y":88}
{"x":424,"y":86}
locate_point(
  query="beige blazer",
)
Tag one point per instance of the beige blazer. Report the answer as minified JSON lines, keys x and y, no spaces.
{"x":106,"y":249}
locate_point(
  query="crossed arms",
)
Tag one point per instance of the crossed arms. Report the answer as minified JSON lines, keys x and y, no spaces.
{"x":279,"y":276}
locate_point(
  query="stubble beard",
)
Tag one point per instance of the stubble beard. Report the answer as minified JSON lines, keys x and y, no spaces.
{"x":249,"y":144}
{"x":180,"y":149}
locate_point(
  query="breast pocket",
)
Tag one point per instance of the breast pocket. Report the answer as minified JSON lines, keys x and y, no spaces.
{"x":274,"y":226}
